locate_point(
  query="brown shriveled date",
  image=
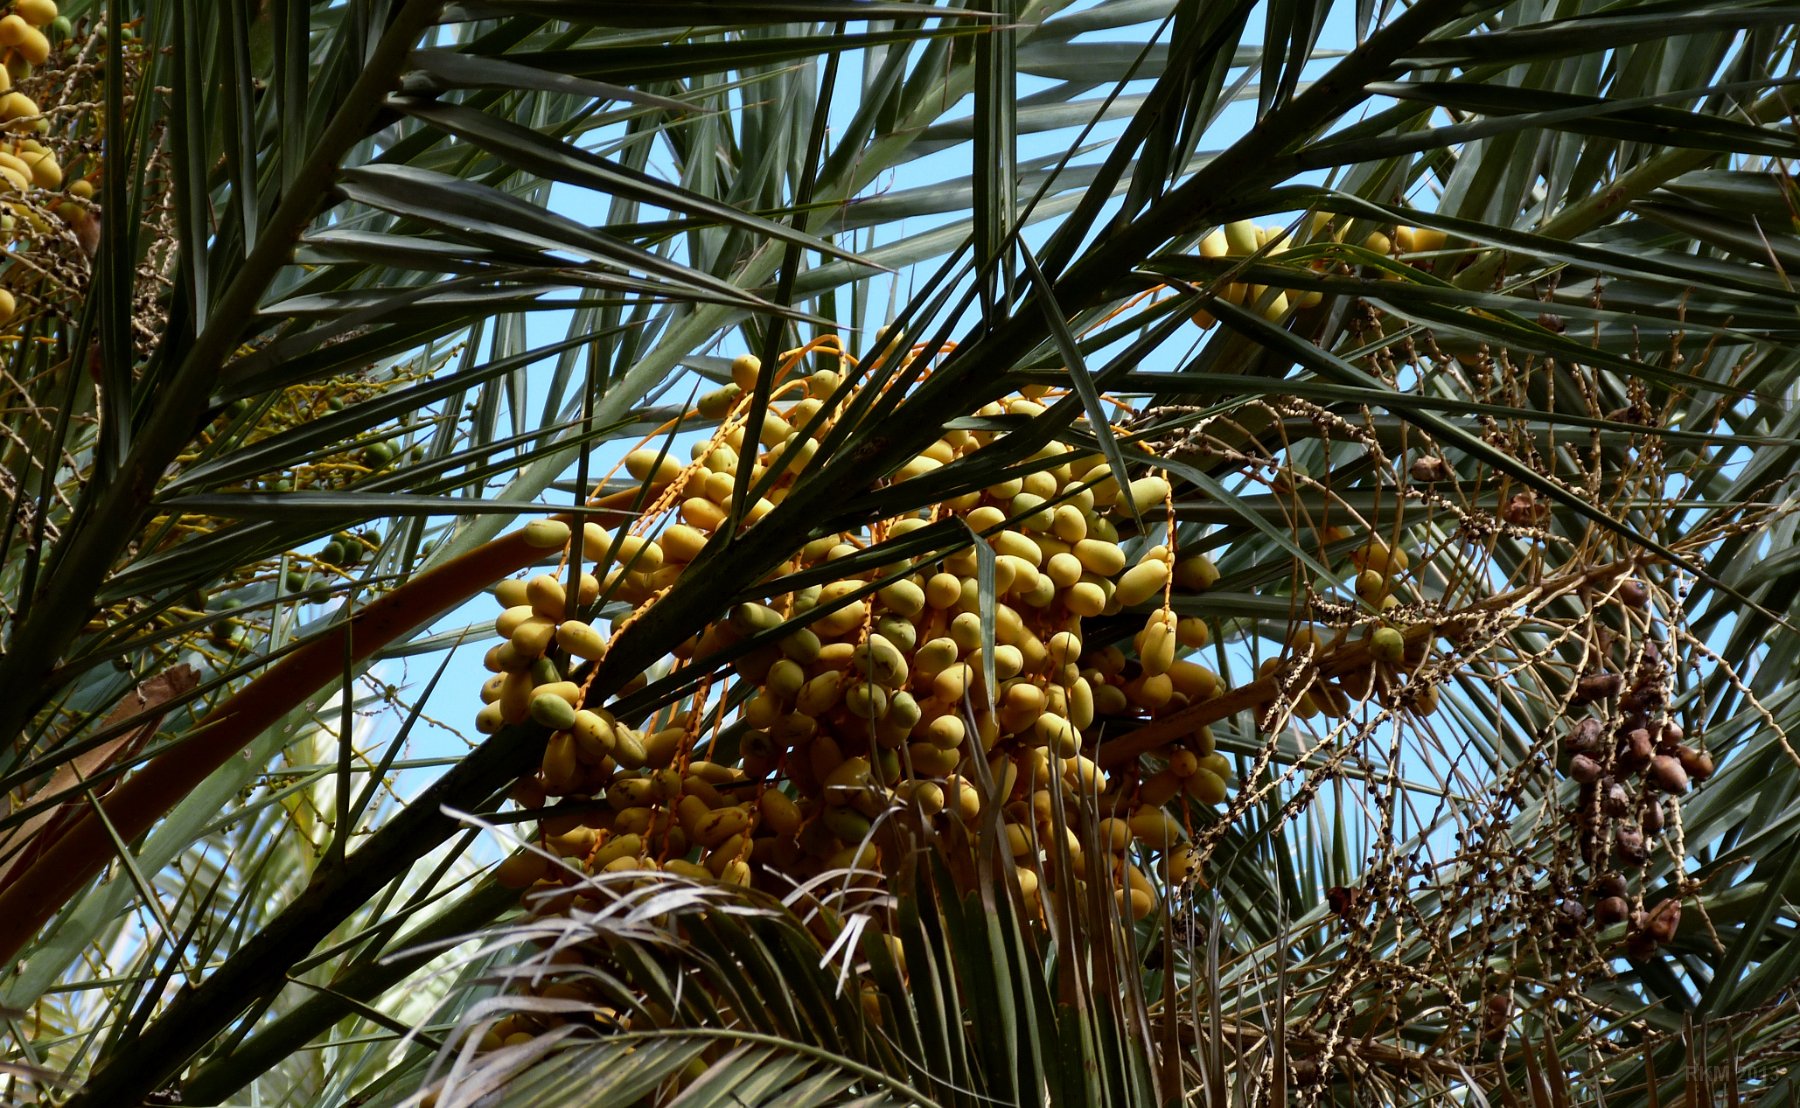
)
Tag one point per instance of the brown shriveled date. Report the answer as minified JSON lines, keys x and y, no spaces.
{"x":1585,"y":739}
{"x":1635,"y":751}
{"x":1697,"y":763}
{"x":1611,"y":910}
{"x":1667,"y":774}
{"x":1629,"y":842}
{"x":1597,"y":686}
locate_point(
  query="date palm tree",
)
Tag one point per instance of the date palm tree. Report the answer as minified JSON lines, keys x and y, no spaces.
{"x":328,"y":300}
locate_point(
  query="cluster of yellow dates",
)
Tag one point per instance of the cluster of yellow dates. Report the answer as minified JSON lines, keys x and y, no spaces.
{"x":25,"y":161}
{"x":877,"y":695}
{"x":1242,"y":238}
